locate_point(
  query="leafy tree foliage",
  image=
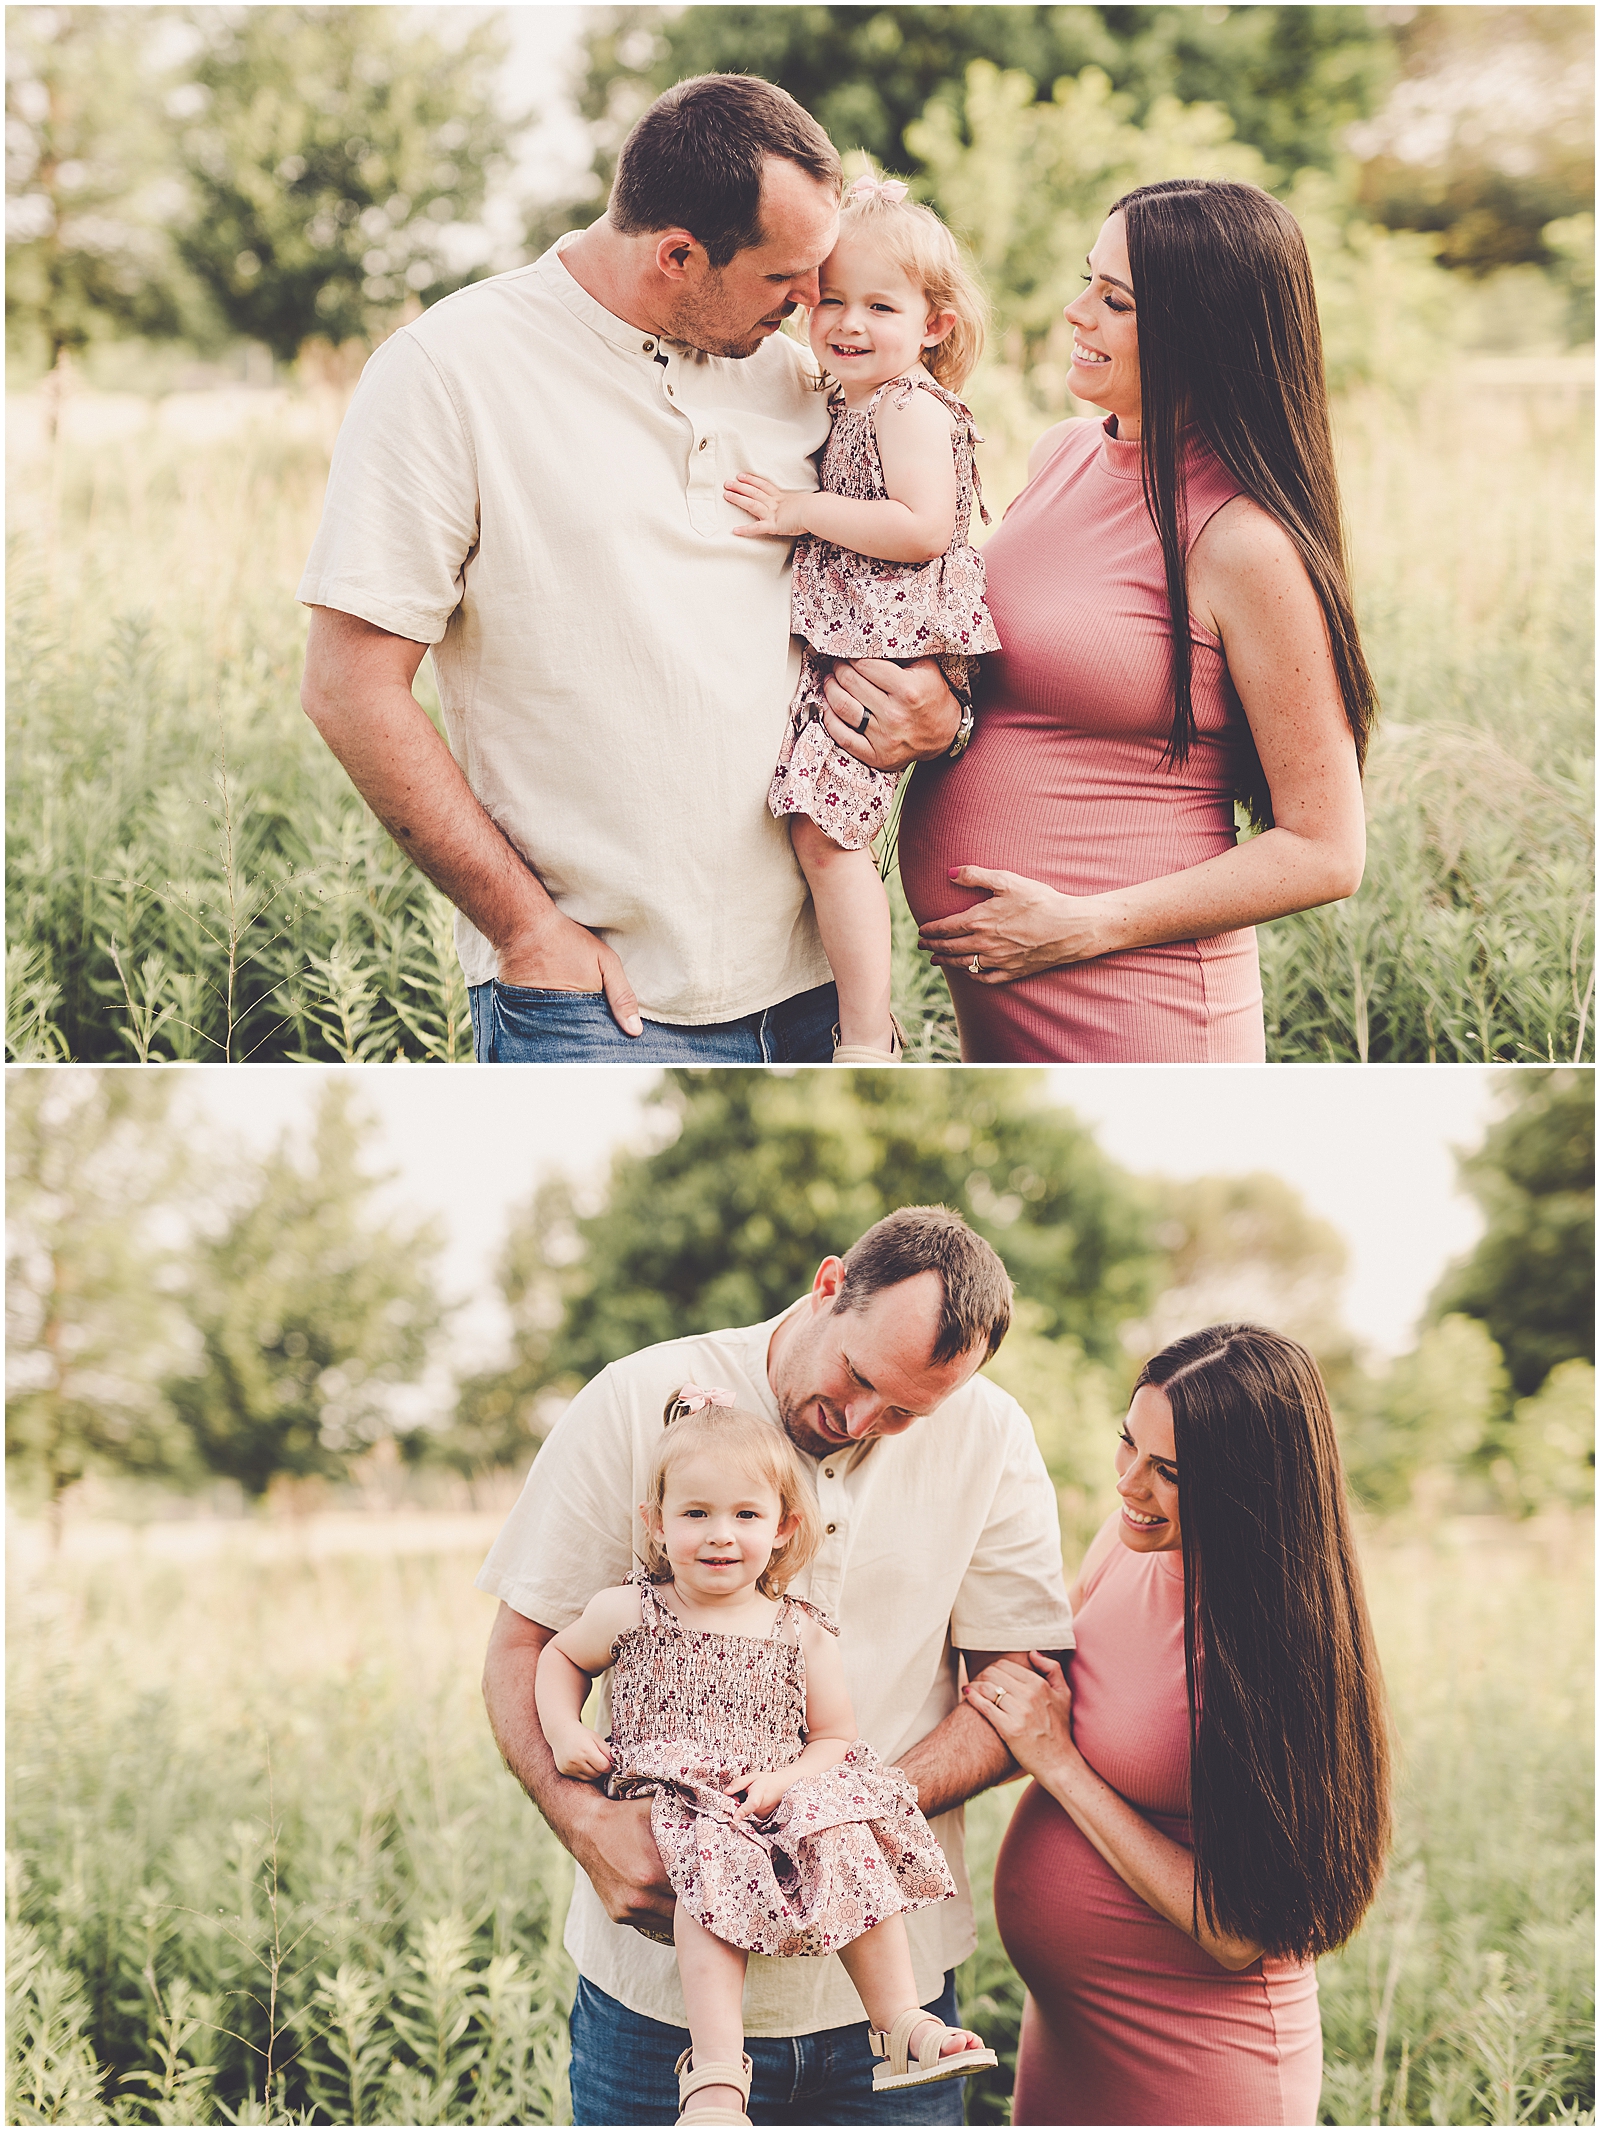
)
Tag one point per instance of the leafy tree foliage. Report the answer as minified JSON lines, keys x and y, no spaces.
{"x":91,"y":1167}
{"x":1531,"y":1277}
{"x":330,"y":149}
{"x":1290,"y":78}
{"x":311,"y":1314}
{"x":762,"y":1177}
{"x":89,"y":187}
{"x":1489,"y":139}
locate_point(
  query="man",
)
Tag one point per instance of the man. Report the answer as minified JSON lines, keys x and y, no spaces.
{"x":529,"y":481}
{"x":940,"y":1535}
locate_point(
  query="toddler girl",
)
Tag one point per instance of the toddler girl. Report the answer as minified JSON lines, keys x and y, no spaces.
{"x":884,"y":569}
{"x":781,"y":1831}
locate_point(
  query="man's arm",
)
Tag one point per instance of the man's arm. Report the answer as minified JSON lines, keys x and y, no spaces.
{"x":956,"y":1761}
{"x":357,"y":692}
{"x":610,"y":1838}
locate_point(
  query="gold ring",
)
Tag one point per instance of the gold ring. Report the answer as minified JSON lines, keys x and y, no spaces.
{"x":998,"y":1695}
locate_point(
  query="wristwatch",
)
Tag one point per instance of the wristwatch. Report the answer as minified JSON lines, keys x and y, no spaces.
{"x":958,"y":745}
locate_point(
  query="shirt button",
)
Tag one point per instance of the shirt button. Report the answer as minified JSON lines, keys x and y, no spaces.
{"x":827,"y":1472}
{"x":649,"y":347}
{"x":702,"y":444}
{"x":669,"y":392}
{"x":833,"y":1527}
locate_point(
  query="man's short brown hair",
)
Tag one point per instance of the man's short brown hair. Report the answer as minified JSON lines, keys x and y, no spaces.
{"x":932,"y":1239}
{"x":694,"y":161}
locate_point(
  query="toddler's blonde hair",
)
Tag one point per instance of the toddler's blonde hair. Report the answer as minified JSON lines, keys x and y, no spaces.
{"x":928,"y":254}
{"x":761,"y":1449}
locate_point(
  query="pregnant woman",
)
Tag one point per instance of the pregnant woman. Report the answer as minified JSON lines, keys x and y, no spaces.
{"x":1171,"y":593}
{"x":1210,"y":1810}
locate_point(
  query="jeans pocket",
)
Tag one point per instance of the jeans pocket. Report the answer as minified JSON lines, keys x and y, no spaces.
{"x":536,"y":1026}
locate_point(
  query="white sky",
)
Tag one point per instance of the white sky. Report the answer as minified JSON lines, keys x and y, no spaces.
{"x":1370,"y":1149}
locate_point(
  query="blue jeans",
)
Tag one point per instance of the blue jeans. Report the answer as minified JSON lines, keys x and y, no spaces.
{"x":622,"y":2071}
{"x":515,"y":1025}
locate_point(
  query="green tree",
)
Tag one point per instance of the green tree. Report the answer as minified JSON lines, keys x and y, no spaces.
{"x":1427,"y":1421}
{"x":312,"y":1312}
{"x":90,"y":185}
{"x":1531,"y":1276}
{"x":764,"y":1176}
{"x":92,"y":1173}
{"x":1247,"y":1247}
{"x":329,"y":152}
{"x":1290,"y":78}
{"x":1489,"y":137}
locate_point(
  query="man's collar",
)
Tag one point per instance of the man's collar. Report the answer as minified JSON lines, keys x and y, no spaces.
{"x":567,"y":289}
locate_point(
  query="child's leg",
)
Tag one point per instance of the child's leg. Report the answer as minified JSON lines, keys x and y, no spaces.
{"x":712,"y":1974}
{"x":853,"y":917}
{"x":879,"y":1965}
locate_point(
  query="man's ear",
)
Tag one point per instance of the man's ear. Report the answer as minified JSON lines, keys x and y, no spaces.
{"x":674,"y":250}
{"x":830,"y":1278}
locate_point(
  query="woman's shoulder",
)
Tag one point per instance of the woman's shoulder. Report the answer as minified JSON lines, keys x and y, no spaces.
{"x":1104,"y":1548}
{"x":1080,"y":433}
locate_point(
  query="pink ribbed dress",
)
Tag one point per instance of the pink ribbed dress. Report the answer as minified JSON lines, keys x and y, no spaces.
{"x":1064,"y":781}
{"x":1127,"y":2021}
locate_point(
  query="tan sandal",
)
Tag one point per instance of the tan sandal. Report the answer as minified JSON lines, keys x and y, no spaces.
{"x":894,"y":2047}
{"x":864,"y":1054}
{"x":712,"y":2075}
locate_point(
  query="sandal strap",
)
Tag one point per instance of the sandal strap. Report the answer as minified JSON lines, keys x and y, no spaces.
{"x":895,"y":2042}
{"x":713,"y":2075}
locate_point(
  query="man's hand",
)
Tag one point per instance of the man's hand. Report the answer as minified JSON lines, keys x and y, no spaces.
{"x":624,"y":1866}
{"x":610,"y":1838}
{"x":778,"y":513}
{"x":909,"y":712}
{"x":556,"y":954}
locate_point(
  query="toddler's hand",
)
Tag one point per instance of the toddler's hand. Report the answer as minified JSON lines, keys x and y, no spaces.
{"x":761,"y":1792}
{"x":582,"y":1753}
{"x":775,"y":510}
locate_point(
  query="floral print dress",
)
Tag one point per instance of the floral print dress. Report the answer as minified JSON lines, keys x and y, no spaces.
{"x":693,"y":1712}
{"x":844,"y":605}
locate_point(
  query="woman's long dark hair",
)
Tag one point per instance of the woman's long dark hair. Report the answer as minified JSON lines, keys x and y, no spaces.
{"x":1288,"y":1730}
{"x":1229,"y":343}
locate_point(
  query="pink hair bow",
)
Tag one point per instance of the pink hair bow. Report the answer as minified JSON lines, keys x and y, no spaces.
{"x":871,"y":188}
{"x":695,"y":1396}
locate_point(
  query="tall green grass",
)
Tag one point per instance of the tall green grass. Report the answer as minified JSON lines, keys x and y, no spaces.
{"x":263,"y":1863}
{"x":190,"y":876}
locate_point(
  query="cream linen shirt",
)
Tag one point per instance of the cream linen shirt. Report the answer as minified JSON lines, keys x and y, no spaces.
{"x":534,"y":488}
{"x":941,"y":1539}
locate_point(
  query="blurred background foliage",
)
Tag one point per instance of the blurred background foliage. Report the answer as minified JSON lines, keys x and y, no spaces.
{"x":263,"y":1324}
{"x":292,"y":174}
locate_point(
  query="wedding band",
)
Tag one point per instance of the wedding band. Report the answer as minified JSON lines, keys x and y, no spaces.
{"x":866,"y":720}
{"x":998,"y":1695}
{"x":975,"y":966}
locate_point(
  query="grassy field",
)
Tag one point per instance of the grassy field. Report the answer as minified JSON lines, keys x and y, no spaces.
{"x":189,"y":876}
{"x":264,"y":1866}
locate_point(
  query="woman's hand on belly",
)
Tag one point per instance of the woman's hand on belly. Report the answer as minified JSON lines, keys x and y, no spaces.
{"x":1023,"y":928}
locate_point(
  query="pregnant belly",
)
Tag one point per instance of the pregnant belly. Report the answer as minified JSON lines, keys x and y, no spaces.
{"x":1080,"y":813}
{"x":1128,"y":2013}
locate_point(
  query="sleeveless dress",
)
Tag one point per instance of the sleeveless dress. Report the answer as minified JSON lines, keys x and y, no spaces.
{"x":844,"y":605}
{"x":1064,"y":781}
{"x":1127,"y":2021}
{"x":691,"y":1713}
